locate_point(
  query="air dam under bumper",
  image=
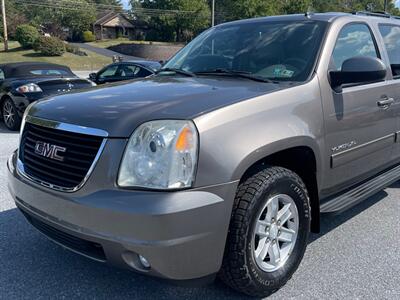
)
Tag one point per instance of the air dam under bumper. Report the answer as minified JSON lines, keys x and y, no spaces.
{"x":181,"y":234}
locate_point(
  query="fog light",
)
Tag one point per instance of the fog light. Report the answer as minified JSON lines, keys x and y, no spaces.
{"x":144,"y":262}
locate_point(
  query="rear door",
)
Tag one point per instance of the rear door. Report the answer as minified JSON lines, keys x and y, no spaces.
{"x":391,"y":39}
{"x":359,"y":133}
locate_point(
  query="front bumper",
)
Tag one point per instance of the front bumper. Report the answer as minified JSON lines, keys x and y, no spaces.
{"x":181,"y":234}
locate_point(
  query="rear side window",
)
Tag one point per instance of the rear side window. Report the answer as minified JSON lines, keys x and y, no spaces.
{"x":354,"y":40}
{"x":129,"y":71}
{"x":2,"y":77}
{"x":391,"y":38}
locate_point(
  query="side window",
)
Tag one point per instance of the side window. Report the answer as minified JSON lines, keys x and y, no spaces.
{"x":129,"y":71}
{"x":391,"y":39}
{"x":109,"y":72}
{"x":2,"y":77}
{"x":353,"y":40}
{"x":143,"y":73}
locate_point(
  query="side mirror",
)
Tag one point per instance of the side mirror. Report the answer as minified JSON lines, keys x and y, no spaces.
{"x":357,"y":70}
{"x":92,"y":76}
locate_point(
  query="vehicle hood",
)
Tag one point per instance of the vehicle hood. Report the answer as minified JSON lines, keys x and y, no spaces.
{"x":120,"y":108}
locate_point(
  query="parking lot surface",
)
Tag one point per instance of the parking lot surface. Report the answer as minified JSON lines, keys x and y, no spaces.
{"x":357,"y":255}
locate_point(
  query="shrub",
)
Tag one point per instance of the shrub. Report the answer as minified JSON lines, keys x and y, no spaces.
{"x":88,"y":36}
{"x":49,"y":46}
{"x":72,"y":48}
{"x":26,"y":35}
{"x":75,"y":50}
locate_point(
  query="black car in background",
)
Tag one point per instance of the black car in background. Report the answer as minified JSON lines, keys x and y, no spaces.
{"x":25,"y":82}
{"x":125,"y":70}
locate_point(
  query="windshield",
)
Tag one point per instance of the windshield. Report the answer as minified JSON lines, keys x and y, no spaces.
{"x":271,"y":50}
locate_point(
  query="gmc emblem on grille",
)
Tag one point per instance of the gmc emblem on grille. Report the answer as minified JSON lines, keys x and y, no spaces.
{"x":49,"y":150}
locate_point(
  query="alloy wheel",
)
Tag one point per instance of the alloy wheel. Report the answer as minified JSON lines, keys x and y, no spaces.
{"x":9,"y":114}
{"x":275,"y":233}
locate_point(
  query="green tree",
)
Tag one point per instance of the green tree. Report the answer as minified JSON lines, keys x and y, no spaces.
{"x":177,"y":20}
{"x":103,"y":5}
{"x":240,"y":9}
{"x":14,"y":18}
{"x":74,"y":15}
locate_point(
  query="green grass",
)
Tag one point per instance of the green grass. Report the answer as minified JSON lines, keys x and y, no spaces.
{"x":109,"y":43}
{"x":92,"y":62}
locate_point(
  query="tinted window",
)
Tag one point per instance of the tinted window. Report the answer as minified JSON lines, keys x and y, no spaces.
{"x":129,"y":71}
{"x":143,"y":73}
{"x":274,"y":50}
{"x":353,"y":40}
{"x":391,"y":38}
{"x":133,"y":71}
{"x":109,"y":72}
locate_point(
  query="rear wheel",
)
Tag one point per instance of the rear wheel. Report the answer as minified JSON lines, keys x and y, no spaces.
{"x":10,"y":115}
{"x":268,"y":232}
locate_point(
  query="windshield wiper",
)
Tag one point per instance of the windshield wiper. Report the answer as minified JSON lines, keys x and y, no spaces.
{"x":235,"y":73}
{"x":177,"y":71}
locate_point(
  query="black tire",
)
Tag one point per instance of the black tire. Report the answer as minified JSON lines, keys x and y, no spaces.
{"x":239,"y":269}
{"x":14,"y":123}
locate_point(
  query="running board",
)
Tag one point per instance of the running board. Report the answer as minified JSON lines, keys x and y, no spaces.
{"x":361,"y":192}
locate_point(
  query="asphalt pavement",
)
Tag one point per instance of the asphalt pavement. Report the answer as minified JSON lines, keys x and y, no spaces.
{"x":356,"y":256}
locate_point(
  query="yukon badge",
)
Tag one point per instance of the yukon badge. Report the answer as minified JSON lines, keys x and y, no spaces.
{"x":49,"y":150}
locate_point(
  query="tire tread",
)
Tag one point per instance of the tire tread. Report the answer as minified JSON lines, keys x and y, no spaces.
{"x":234,"y":271}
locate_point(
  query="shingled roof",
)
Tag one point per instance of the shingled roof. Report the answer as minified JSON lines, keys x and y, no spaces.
{"x":102,"y":21}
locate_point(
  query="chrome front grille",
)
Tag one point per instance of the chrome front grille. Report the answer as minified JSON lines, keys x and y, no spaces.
{"x":57,"y":158}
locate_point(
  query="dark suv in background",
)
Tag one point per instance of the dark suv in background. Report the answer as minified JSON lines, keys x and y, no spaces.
{"x":223,"y":162}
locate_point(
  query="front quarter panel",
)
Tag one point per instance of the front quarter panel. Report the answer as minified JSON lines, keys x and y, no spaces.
{"x":233,"y":138}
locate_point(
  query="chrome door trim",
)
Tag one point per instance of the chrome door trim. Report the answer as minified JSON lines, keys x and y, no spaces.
{"x":341,"y":158}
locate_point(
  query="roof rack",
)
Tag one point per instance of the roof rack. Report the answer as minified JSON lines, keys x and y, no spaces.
{"x":380,"y":14}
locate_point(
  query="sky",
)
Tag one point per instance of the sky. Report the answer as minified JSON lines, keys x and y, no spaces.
{"x":126,"y":3}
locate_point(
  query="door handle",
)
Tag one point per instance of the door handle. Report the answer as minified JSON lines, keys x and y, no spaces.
{"x":385,"y":103}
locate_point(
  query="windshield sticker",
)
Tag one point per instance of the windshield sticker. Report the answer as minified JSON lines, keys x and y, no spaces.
{"x":280,"y":72}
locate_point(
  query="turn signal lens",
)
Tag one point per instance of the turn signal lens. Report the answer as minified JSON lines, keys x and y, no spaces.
{"x":185,"y":140}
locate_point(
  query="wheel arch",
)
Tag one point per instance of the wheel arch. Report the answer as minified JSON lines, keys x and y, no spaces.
{"x":3,"y":98}
{"x":301,"y":158}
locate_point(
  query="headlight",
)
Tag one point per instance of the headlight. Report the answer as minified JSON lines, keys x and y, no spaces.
{"x":160,"y":155}
{"x":29,"y":88}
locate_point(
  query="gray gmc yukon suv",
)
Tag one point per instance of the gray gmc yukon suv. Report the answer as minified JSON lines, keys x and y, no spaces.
{"x":222,"y":162}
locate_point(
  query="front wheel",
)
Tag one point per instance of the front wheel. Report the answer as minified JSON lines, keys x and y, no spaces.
{"x":10,"y":115}
{"x":268,"y":232}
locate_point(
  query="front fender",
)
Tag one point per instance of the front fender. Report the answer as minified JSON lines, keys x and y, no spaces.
{"x":235,"y":137}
